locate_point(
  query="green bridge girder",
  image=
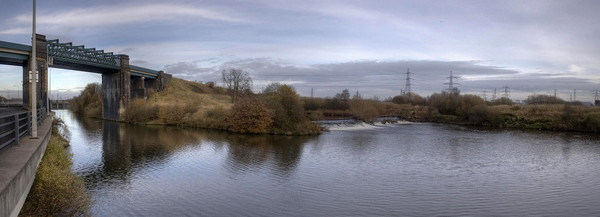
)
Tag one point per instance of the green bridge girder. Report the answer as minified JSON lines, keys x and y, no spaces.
{"x":18,"y":54}
{"x":81,"y":55}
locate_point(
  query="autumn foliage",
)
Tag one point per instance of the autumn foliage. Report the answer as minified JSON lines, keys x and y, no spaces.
{"x":250,"y":115}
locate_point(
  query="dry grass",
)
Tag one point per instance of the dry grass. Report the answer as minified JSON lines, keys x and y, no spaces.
{"x":190,"y":103}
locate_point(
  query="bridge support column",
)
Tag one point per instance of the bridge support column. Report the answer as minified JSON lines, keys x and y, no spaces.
{"x":163,"y":79}
{"x":42,"y":69}
{"x":138,"y":88}
{"x":116,"y":91}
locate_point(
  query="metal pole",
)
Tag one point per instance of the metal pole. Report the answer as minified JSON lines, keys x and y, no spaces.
{"x":33,"y":78}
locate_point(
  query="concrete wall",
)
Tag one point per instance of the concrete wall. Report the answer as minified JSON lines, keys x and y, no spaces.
{"x":18,"y":165}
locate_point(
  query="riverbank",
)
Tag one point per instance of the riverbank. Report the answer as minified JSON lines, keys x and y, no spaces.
{"x":57,"y":191}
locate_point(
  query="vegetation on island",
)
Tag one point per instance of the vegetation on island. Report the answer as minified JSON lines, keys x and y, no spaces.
{"x":279,"y":110}
{"x":56,"y":191}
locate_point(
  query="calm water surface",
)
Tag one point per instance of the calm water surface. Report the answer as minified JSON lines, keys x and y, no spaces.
{"x":417,"y":169}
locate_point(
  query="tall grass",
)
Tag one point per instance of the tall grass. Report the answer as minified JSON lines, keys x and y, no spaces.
{"x":56,"y":191}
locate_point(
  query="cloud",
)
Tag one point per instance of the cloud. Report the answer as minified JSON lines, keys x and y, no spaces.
{"x":126,"y":14}
{"x":576,"y":69}
{"x":16,"y":31}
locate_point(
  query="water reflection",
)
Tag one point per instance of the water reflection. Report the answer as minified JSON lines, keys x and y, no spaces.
{"x":126,"y":148}
{"x":283,"y":152}
{"x":402,"y":170}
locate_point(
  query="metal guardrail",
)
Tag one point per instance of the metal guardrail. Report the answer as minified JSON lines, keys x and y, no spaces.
{"x":15,"y":126}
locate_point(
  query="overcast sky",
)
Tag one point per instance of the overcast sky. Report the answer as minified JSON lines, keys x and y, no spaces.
{"x":532,"y":47}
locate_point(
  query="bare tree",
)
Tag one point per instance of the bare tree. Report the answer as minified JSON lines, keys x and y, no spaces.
{"x":237,"y":81}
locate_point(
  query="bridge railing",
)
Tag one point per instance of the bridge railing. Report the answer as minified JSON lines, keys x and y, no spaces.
{"x":16,"y":125}
{"x":13,"y":127}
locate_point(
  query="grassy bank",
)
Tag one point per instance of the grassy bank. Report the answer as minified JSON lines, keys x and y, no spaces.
{"x":56,"y":191}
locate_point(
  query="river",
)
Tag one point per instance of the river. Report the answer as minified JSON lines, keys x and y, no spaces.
{"x":409,"y":169}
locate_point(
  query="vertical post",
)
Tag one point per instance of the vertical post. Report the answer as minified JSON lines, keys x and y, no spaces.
{"x":16,"y":129}
{"x":33,"y":77}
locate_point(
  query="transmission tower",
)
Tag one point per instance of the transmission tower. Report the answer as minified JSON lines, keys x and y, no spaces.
{"x":485,"y":95}
{"x":506,"y":91}
{"x":554,"y":93}
{"x":311,"y":93}
{"x":407,"y":89}
{"x":451,"y":83}
{"x":494,"y":97}
{"x":596,"y":95}
{"x":574,"y":95}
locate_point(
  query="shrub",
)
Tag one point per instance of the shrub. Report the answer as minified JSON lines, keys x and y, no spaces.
{"x":249,"y":116}
{"x":312,"y":104}
{"x":502,"y":101}
{"x":454,"y":104}
{"x":89,"y":102}
{"x":410,"y":98}
{"x":363,"y":110}
{"x":543,"y":99}
{"x":288,"y":111}
{"x":592,"y":122}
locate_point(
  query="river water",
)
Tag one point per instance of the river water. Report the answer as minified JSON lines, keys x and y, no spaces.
{"x":408,"y":169}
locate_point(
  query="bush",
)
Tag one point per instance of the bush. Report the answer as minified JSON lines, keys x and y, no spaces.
{"x":411,"y":98}
{"x":312,"y":104}
{"x":502,"y":101}
{"x":364,"y":110}
{"x":454,"y":104}
{"x":249,"y":116}
{"x":543,"y":99}
{"x":288,"y":111}
{"x":592,"y":122}
{"x":89,"y":102}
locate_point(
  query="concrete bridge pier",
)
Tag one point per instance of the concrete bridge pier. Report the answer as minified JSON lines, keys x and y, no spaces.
{"x":116,"y":91}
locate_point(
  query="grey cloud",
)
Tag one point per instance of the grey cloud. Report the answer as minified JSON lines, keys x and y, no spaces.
{"x":386,"y":78}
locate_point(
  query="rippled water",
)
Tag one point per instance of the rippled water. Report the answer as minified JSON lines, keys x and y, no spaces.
{"x":416,"y":169}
